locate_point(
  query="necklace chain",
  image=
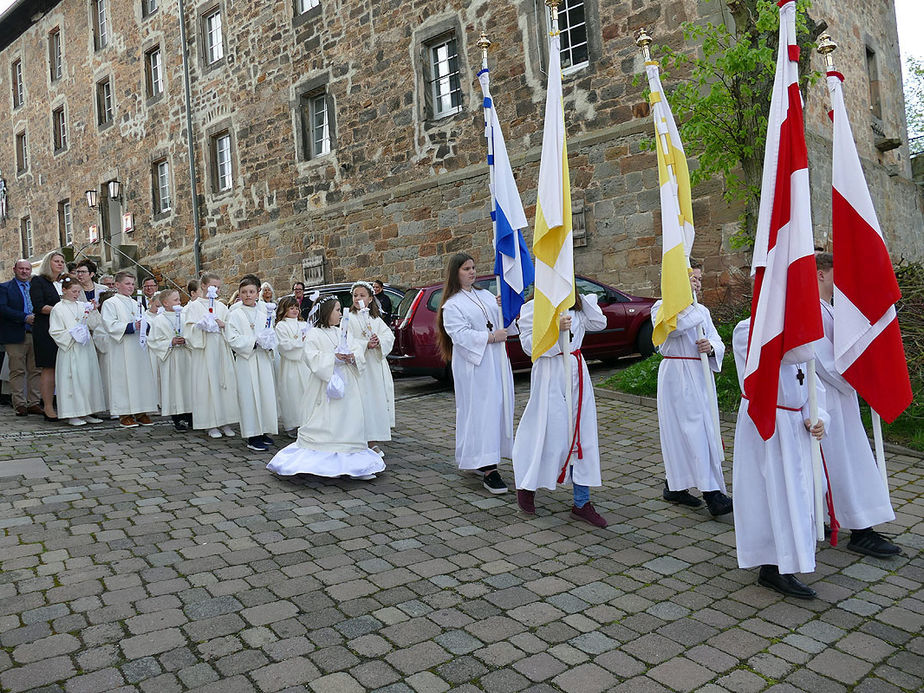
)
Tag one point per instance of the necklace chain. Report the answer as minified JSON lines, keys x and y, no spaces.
{"x":477,"y":302}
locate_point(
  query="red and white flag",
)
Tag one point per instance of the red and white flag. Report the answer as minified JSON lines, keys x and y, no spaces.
{"x":785,"y":311}
{"x":868,"y":347}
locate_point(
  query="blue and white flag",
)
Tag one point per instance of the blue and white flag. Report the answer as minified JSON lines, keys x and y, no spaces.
{"x":512,"y":264}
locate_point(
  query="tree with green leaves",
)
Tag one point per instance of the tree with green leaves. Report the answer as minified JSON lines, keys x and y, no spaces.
{"x":721,"y":95}
{"x":914,"y":101}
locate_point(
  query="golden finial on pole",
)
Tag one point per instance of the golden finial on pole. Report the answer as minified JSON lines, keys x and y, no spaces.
{"x":643,"y":41}
{"x":826,"y":47}
{"x":483,"y":43}
{"x":553,"y":6}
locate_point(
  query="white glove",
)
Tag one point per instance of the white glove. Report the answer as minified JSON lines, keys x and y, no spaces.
{"x":80,"y":333}
{"x":208,"y":323}
{"x":267,"y":339}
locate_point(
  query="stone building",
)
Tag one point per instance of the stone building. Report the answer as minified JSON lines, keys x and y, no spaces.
{"x":339,"y":139}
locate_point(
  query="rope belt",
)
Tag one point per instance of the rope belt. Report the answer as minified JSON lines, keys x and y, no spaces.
{"x":576,"y":438}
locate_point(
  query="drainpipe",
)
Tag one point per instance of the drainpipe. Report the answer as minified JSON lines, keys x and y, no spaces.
{"x":190,"y":147}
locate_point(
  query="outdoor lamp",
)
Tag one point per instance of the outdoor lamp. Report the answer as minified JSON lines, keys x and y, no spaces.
{"x":91,"y":199}
{"x":114,"y":189}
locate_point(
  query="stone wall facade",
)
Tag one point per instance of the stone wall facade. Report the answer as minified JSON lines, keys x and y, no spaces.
{"x":399,"y":189}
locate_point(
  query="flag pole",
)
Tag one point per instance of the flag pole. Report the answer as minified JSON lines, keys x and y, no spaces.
{"x":483,"y":43}
{"x":826,"y":47}
{"x":643,"y":40}
{"x":817,"y":474}
{"x":564,"y":336}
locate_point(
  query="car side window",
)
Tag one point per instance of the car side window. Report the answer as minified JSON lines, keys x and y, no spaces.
{"x":433,"y":303}
{"x":585,"y":286}
{"x":488,"y":285}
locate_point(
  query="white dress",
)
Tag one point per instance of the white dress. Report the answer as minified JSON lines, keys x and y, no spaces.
{"x":155,"y":361}
{"x":78,"y":383}
{"x":692,"y":456}
{"x":293,"y":375}
{"x":174,"y":364}
{"x":480,"y":372}
{"x":859,"y":495}
{"x":253,"y":367}
{"x":131,"y":381}
{"x":543,"y":440}
{"x":101,"y":342}
{"x":332,"y":441}
{"x":375,"y":381}
{"x":772,"y":480}
{"x":213,"y":381}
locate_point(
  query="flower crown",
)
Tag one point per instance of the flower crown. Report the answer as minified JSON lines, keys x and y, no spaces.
{"x":313,"y":314}
{"x":363,"y":284}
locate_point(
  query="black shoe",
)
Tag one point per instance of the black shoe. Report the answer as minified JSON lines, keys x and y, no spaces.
{"x":717,"y":502}
{"x":870,"y":543}
{"x":180,"y":426}
{"x":51,"y":419}
{"x":681,"y":497}
{"x":266,"y":439}
{"x":494,"y":483}
{"x":788,"y":585}
{"x":256,"y":444}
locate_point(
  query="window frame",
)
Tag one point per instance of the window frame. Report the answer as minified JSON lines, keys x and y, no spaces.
{"x":59,"y":128}
{"x":65,"y":223}
{"x":26,"y":237}
{"x":22,"y":152}
{"x":102,"y":108}
{"x":433,"y":79}
{"x":55,"y":54}
{"x":308,"y":99}
{"x":17,"y":83}
{"x":158,"y":185}
{"x":305,"y":6}
{"x":215,"y":136}
{"x":146,"y":10}
{"x":593,"y":37}
{"x":150,"y":81}
{"x":99,"y":10}
{"x":208,"y":62}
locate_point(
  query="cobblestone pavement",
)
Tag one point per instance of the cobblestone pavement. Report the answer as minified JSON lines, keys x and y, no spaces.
{"x":147,"y":560}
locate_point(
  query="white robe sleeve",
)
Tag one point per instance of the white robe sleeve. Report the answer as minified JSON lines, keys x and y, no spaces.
{"x":59,"y":323}
{"x":290,"y":344}
{"x":469,"y":343}
{"x":161,"y":337}
{"x":591,"y":314}
{"x":718,"y":346}
{"x":114,"y":320}
{"x":319,"y":353}
{"x":740,"y":348}
{"x":385,"y":335}
{"x":525,"y":326}
{"x":238,"y":333}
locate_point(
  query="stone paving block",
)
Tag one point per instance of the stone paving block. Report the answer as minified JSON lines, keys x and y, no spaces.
{"x":426,"y":682}
{"x":32,"y":676}
{"x":586,"y":678}
{"x":681,"y":674}
{"x":45,"y":648}
{"x":419,"y":657}
{"x":292,"y":672}
{"x":540,"y":667}
{"x":374,"y":674}
{"x":337,"y":683}
{"x":839,"y":666}
{"x":653,"y":649}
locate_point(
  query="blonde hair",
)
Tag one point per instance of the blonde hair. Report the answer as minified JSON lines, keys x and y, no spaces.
{"x":45,"y":268}
{"x":208,"y":278}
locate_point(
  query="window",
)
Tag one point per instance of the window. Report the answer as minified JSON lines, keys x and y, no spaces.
{"x":59,"y":128}
{"x":25,"y":236}
{"x":872,"y":72}
{"x":573,"y":27}
{"x":148,"y":7}
{"x":104,"y":102}
{"x":214,"y":43}
{"x":302,"y":6}
{"x":221,"y":161}
{"x":100,"y":10}
{"x":19,"y":93}
{"x":444,"y":88}
{"x":155,"y":72}
{"x":55,"y":57}
{"x":65,"y":229}
{"x":22,"y":152}
{"x":160,"y":172}
{"x":316,"y":119}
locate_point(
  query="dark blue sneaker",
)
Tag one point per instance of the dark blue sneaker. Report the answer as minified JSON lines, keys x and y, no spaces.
{"x":256,"y":444}
{"x":266,"y":439}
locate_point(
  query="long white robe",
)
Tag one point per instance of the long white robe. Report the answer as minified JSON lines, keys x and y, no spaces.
{"x":772,"y":480}
{"x":375,"y":381}
{"x":131,"y":381}
{"x":293,"y":375}
{"x":174,"y":365}
{"x":213,"y":381}
{"x":542,"y":439}
{"x":480,"y":372}
{"x":859,"y":495}
{"x":78,"y":383}
{"x":691,"y":453}
{"x":101,"y":342}
{"x":332,"y":441}
{"x":253,"y":368}
{"x":155,"y":361}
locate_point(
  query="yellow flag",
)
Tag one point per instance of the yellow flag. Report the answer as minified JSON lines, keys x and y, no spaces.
{"x":676,"y":212}
{"x":552,"y":240}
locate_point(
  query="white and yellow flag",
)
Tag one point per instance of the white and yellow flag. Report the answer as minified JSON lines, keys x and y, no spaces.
{"x":676,"y":211}
{"x":552,"y":241}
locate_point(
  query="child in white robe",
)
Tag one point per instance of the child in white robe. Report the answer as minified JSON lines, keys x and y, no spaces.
{"x":154,"y":308}
{"x":132,"y":393}
{"x":250,"y":334}
{"x":78,"y":384}
{"x":167,"y":345}
{"x":332,"y":441}
{"x":213,"y":379}
{"x":859,"y":494}
{"x":692,"y":454}
{"x":294,"y":374}
{"x":367,"y":327}
{"x":544,"y":447}
{"x":773,"y":481}
{"x":101,"y":342}
{"x":471,"y":337}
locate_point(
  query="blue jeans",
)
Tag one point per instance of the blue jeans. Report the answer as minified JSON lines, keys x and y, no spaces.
{"x":581,"y":493}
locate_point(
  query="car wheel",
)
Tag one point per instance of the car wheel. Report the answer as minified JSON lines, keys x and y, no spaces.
{"x":643,"y":342}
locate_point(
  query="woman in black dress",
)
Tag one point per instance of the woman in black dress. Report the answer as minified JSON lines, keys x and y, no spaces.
{"x":45,"y":295}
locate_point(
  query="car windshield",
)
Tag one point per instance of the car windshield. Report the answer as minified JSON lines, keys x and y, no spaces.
{"x":405,"y":304}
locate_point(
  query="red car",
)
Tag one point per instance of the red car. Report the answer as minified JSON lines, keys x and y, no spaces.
{"x":628,"y":328}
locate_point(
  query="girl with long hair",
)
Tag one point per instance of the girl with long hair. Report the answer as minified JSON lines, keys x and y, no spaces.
{"x":45,"y":292}
{"x":294,"y":375}
{"x":471,"y":337}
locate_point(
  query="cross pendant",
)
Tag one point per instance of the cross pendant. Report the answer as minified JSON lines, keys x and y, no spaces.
{"x":489,"y":325}
{"x":800,"y":376}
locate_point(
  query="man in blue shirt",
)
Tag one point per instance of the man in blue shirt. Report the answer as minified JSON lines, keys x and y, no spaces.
{"x":16,"y":319}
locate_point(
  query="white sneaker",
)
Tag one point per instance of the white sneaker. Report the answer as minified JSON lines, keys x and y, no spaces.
{"x":365,"y":477}
{"x":214,"y":433}
{"x":77,"y":421}
{"x":378,"y":451}
{"x":92,"y":419}
{"x":228,"y":431}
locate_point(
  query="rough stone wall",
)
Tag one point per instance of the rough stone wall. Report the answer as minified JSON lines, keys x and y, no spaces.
{"x":398,"y":192}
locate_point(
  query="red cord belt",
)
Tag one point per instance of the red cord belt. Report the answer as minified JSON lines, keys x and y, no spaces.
{"x":778,"y":406}
{"x":576,"y":438}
